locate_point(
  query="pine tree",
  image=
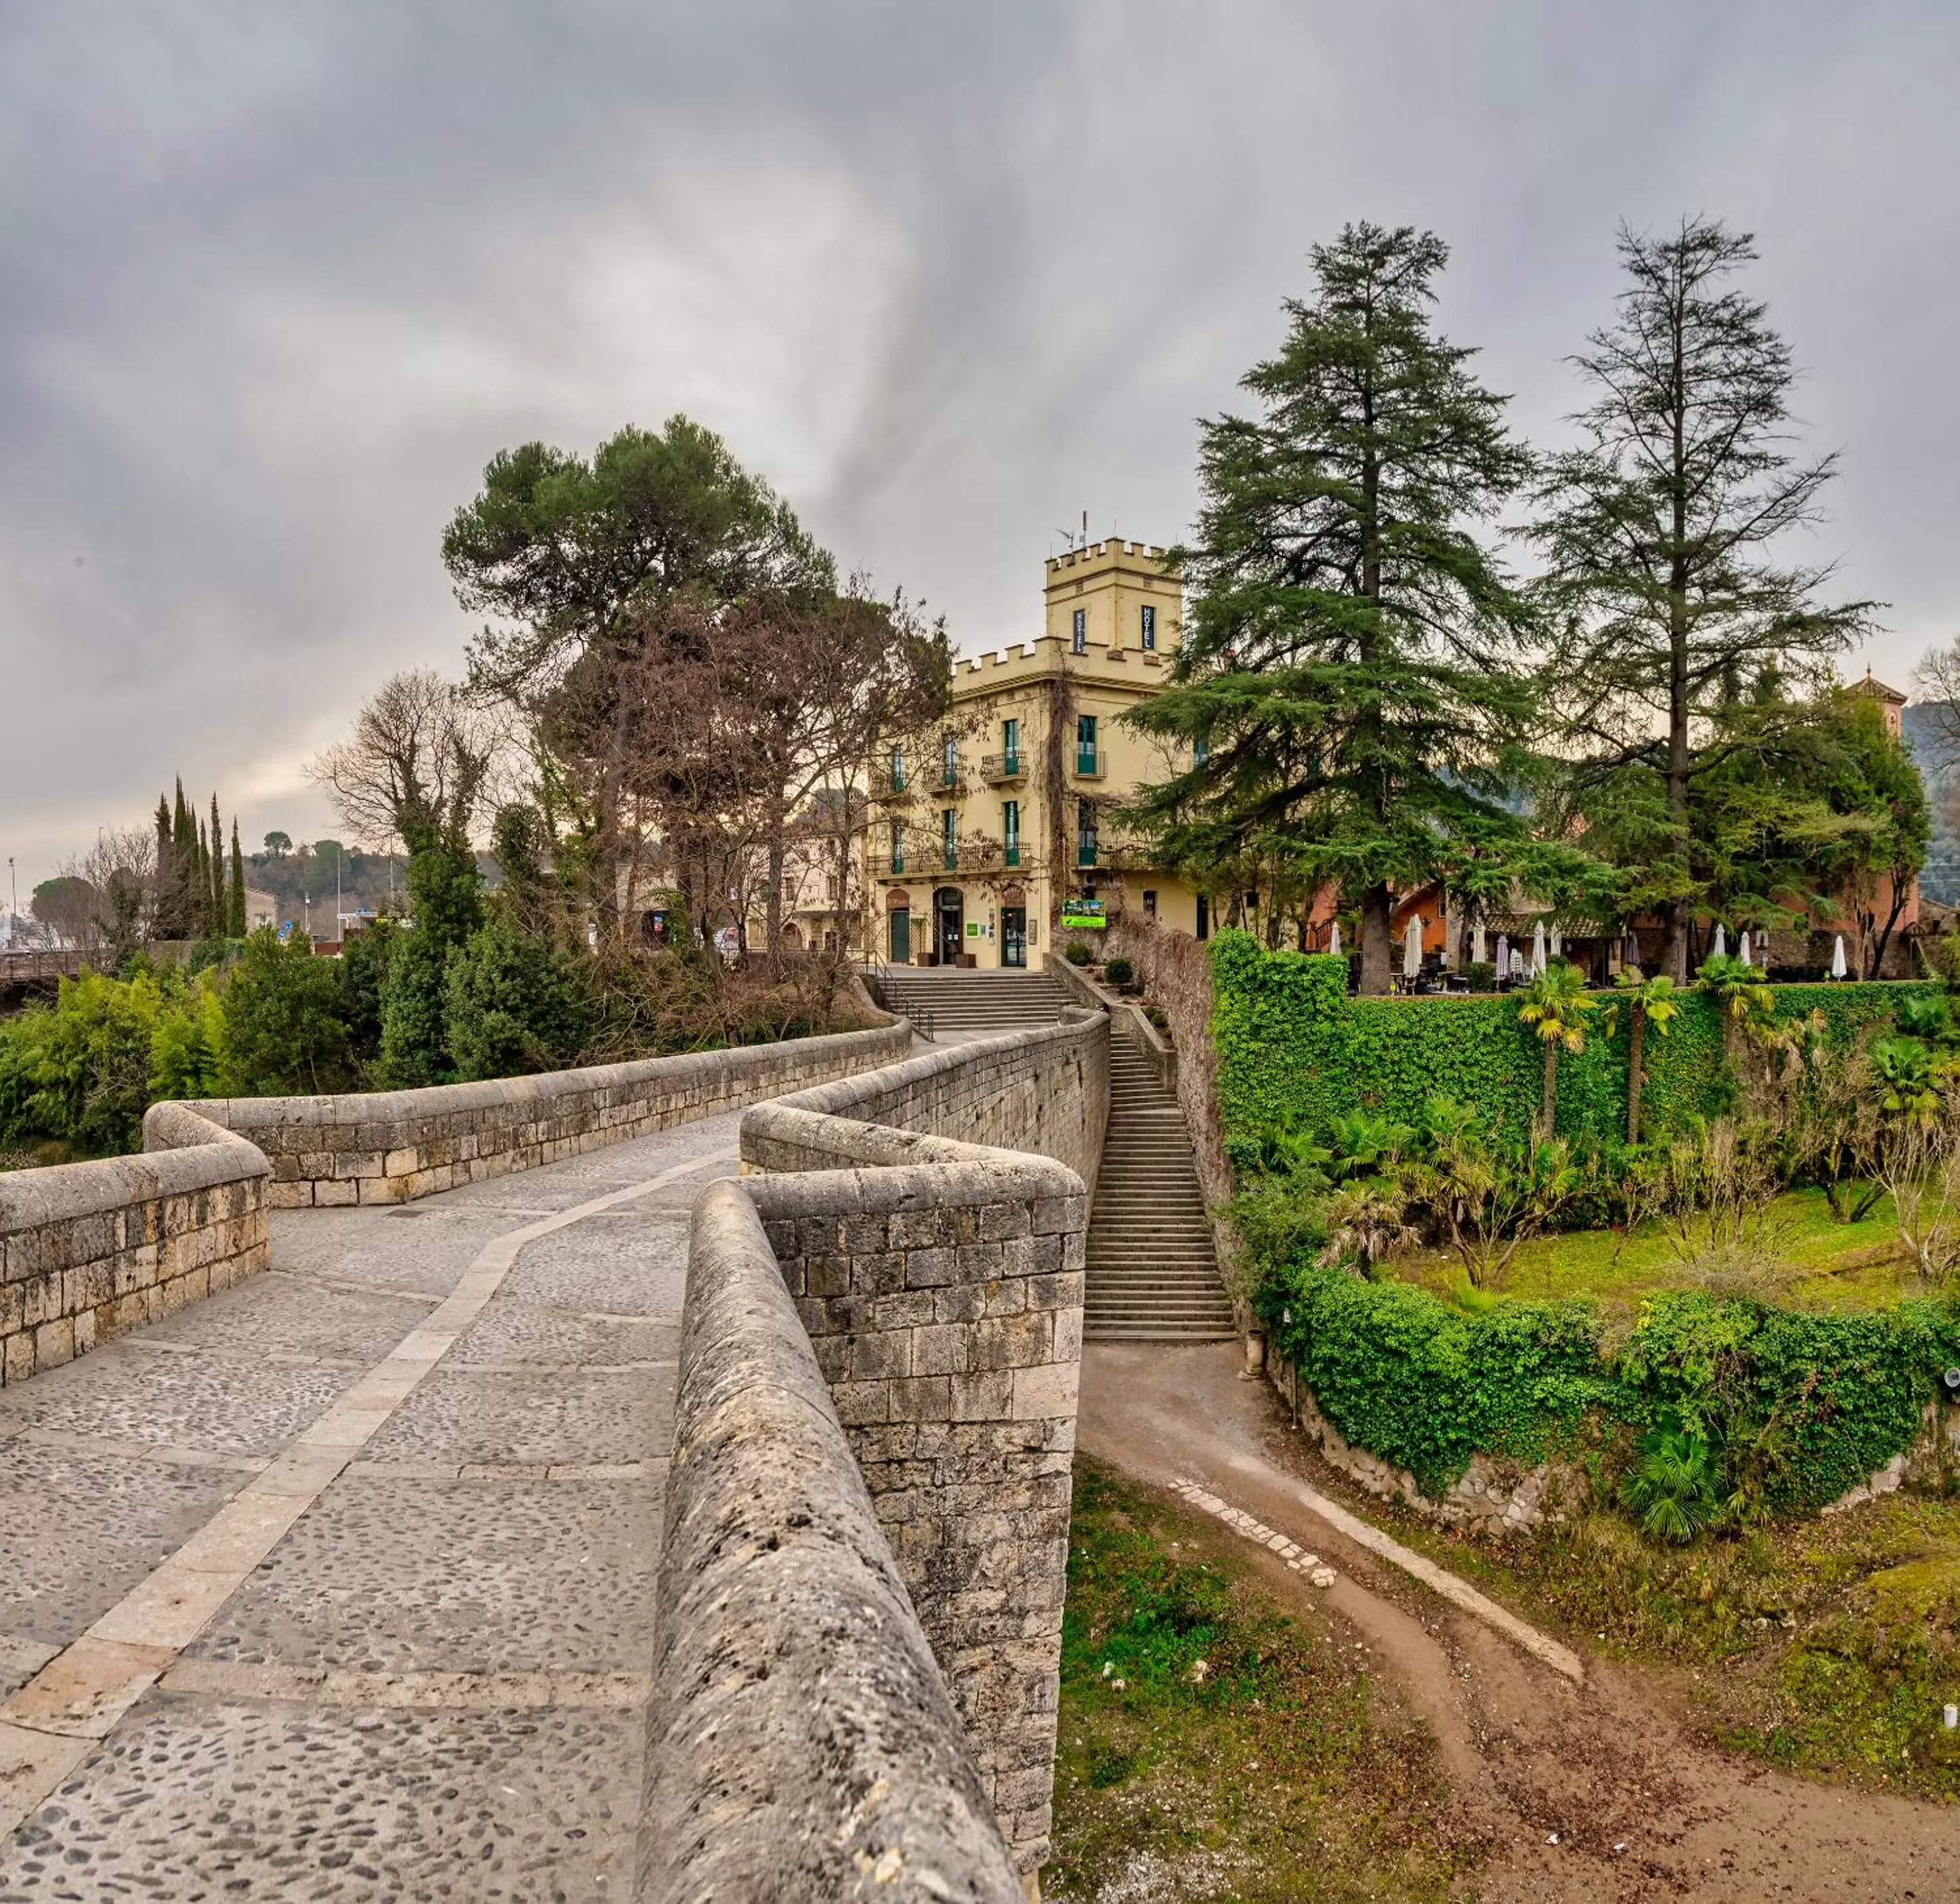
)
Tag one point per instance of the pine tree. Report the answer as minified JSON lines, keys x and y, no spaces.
{"x":1348,"y":668}
{"x":237,"y":923}
{"x":1657,"y":531}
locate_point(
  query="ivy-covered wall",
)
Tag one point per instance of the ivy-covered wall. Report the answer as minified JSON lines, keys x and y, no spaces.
{"x":1291,"y":1044}
{"x":1800,"y":1408}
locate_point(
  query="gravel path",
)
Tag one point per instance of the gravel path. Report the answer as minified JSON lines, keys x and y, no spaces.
{"x":1565,"y":1792}
{"x":338,"y":1585}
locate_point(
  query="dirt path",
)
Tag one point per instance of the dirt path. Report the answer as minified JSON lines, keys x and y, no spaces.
{"x":1580,"y":1793}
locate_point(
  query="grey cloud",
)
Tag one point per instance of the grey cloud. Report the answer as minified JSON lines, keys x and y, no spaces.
{"x":275,"y":282}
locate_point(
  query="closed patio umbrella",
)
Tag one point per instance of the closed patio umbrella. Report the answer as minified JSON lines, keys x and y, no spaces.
{"x":1477,"y":943}
{"x":1333,"y":940}
{"x":1557,"y":942}
{"x":1503,"y":955}
{"x":1837,"y":966}
{"x":1742,"y":946}
{"x":1721,"y":941}
{"x":1412,"y":948}
{"x":1538,"y":948}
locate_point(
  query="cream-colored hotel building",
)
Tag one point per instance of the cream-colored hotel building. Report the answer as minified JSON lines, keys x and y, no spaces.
{"x":985,"y":835}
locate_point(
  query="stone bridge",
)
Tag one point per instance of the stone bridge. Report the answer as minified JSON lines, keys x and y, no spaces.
{"x":648,"y":1482}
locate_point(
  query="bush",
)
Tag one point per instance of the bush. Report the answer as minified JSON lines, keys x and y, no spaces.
{"x":1481,"y":975}
{"x":284,"y":1033}
{"x":414,"y":1029}
{"x":1076,"y":953}
{"x":1795,"y":1409}
{"x":363,"y":973}
{"x":514,"y":1004}
{"x":1119,"y":972}
{"x":78,"y":1070}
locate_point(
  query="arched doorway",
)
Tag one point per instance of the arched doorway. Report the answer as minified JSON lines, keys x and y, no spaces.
{"x":1013,"y":928}
{"x":899,"y":915}
{"x":949,"y":923}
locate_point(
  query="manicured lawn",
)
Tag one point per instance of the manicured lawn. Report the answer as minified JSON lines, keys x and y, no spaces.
{"x":1808,"y":1260}
{"x":1212,"y":1747}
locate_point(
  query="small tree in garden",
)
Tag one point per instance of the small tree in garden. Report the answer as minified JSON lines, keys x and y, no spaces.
{"x":1649,"y":1001}
{"x":1556,"y":1006}
{"x":1748,"y":1005}
{"x":1489,"y":1198}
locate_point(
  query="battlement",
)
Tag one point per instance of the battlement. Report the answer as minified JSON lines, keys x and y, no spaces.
{"x":1107,"y":554}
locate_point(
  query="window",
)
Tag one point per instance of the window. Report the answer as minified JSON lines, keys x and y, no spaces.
{"x":1085,"y":744}
{"x":898,"y":845}
{"x":949,"y":759}
{"x":1200,"y":752}
{"x":1079,"y":632}
{"x":949,"y":835}
{"x":1010,"y":745}
{"x":1150,"y":903}
{"x":898,"y":770}
{"x":1011,"y":828}
{"x":1150,"y":628}
{"x":1085,"y":833}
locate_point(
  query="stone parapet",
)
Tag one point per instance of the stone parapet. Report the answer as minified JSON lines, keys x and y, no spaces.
{"x":928,"y":1222}
{"x":801,"y":1744}
{"x":1046,"y":1090}
{"x":90,"y":1250}
{"x":392,"y":1146}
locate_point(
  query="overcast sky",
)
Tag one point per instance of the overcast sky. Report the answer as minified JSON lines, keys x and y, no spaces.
{"x":276,"y":280}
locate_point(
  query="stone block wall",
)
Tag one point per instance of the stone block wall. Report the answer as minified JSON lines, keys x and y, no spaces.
{"x":800,"y":1741}
{"x":943,"y":1303}
{"x":392,"y":1146}
{"x":89,"y":1250}
{"x":929,"y":1221}
{"x":1046,"y":1090}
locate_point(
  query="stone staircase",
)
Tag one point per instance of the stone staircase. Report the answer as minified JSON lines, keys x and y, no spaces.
{"x":972,"y":1003}
{"x":1152,"y":1271}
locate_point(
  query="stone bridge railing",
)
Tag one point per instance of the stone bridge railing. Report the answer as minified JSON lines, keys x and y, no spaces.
{"x":392,"y":1146}
{"x":88,"y":1250}
{"x":883,"y":1487}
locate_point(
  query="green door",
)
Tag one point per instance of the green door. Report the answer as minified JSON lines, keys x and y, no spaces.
{"x":901,"y":936}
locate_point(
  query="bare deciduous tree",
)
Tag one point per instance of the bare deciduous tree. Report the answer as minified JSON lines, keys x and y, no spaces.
{"x":416,"y":765}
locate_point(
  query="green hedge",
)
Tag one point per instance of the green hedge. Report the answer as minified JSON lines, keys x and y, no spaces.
{"x":1808,"y":1405}
{"x":1292,"y":1045}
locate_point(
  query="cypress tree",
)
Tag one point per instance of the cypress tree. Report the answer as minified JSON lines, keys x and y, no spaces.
{"x":237,"y":921}
{"x":221,"y":904}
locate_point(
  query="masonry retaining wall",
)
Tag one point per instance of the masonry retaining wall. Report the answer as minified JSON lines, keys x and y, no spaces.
{"x":90,"y":1250}
{"x":392,"y":1146}
{"x":939,"y":1282}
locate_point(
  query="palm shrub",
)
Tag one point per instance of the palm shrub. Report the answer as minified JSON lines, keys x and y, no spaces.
{"x":1742,"y":994}
{"x":1556,"y":1006}
{"x":1673,"y":1488}
{"x":1650,"y":1002}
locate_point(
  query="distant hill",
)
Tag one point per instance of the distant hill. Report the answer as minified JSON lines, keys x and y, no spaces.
{"x":372,"y":881}
{"x":1940,"y":768}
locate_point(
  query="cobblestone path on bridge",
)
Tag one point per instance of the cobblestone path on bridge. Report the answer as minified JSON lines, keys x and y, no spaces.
{"x":338,"y":1585}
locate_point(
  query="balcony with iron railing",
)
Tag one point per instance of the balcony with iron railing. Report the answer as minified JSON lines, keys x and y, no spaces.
{"x":1115,"y":852}
{"x":997,"y":767}
{"x":1088,"y":763}
{"x":890,"y":783}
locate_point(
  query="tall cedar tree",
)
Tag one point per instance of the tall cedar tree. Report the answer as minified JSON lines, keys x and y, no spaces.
{"x":1348,"y":667}
{"x":571,"y":556}
{"x":1657,"y":533}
